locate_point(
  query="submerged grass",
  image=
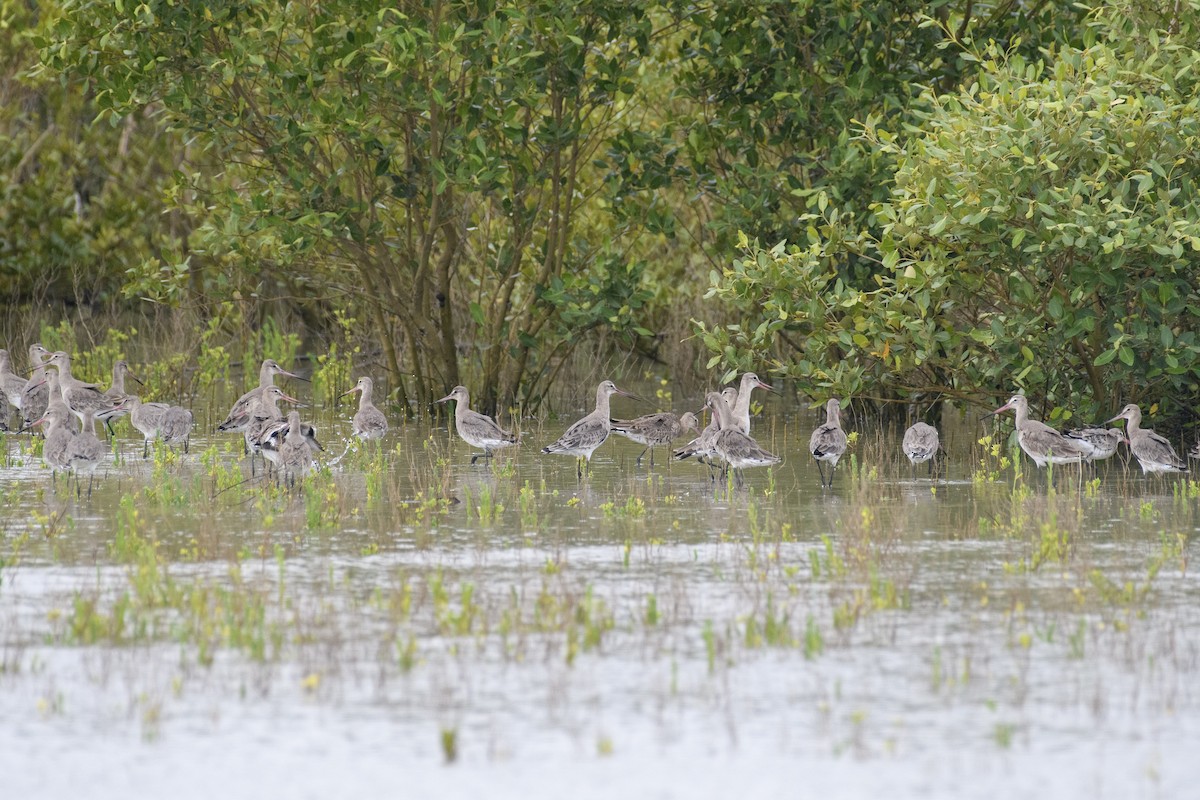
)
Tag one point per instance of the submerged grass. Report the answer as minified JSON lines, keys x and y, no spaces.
{"x":405,"y":562}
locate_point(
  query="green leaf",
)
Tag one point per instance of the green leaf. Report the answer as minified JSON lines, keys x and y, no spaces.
{"x":1126,"y":356}
{"x":1105,"y":357}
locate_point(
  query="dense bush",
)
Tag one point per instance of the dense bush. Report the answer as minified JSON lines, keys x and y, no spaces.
{"x":1041,"y":232}
{"x":79,"y":202}
{"x":974,"y":196}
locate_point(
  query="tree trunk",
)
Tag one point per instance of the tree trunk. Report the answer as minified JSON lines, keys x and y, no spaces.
{"x":449,"y":345}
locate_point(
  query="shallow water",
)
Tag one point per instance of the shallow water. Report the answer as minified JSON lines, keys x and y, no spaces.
{"x":409,"y":620}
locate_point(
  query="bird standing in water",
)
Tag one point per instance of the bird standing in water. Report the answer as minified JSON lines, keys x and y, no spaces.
{"x":369,"y":422}
{"x":1152,"y":451}
{"x":582,"y":438}
{"x":735,"y":448}
{"x":477,"y":430}
{"x":828,"y":442}
{"x":1040,"y":442}
{"x":653,"y":430}
{"x":921,"y":444}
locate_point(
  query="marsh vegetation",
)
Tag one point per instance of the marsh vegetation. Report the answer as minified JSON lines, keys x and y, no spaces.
{"x":898,"y":203}
{"x":504,"y":614}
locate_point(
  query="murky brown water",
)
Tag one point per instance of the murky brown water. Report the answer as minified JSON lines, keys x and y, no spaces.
{"x":410,"y":620}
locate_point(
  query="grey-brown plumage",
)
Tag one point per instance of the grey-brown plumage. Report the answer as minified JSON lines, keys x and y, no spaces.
{"x":368,"y":422}
{"x":262,"y":412}
{"x":741,"y":406}
{"x":274,"y":436}
{"x":58,"y":437}
{"x":36,"y":394}
{"x":295,"y":453}
{"x":1195,"y":451}
{"x":828,"y":442}
{"x":1040,"y":442}
{"x":120,"y":372}
{"x":654,"y":430}
{"x":921,"y":444}
{"x":582,"y":438}
{"x":86,"y":452}
{"x":116,"y":391}
{"x":477,"y":430}
{"x":146,"y":418}
{"x":82,"y":397}
{"x":54,"y":400}
{"x":1152,"y":451}
{"x":241,"y":414}
{"x":735,"y":448}
{"x":171,"y":424}
{"x":1097,"y":443}
{"x":177,"y":426}
{"x":701,"y":448}
{"x":11,"y":384}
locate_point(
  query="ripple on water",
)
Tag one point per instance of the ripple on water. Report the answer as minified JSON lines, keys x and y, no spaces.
{"x":644,"y":632}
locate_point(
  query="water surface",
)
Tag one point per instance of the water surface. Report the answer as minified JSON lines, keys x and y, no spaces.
{"x":409,"y":620}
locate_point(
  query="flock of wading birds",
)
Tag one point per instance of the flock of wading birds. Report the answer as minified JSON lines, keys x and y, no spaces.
{"x":53,"y":397}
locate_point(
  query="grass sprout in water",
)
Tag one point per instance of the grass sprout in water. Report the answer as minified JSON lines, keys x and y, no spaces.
{"x":506,"y":614}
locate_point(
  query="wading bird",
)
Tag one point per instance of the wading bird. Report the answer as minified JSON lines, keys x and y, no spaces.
{"x":82,"y":397}
{"x":171,"y":424}
{"x":735,"y":448}
{"x":86,"y":452}
{"x":240,"y":415}
{"x":1152,"y":451}
{"x":36,"y":395}
{"x":1040,"y":442}
{"x":1098,"y":443}
{"x":828,"y":442}
{"x":741,"y":405}
{"x":582,"y":438}
{"x":262,"y":414}
{"x":701,"y":448}
{"x":58,"y":436}
{"x":274,"y":436}
{"x":477,"y":430}
{"x":369,"y":422}
{"x":295,"y":454}
{"x":921,"y":444}
{"x":654,"y":430}
{"x":11,"y":384}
